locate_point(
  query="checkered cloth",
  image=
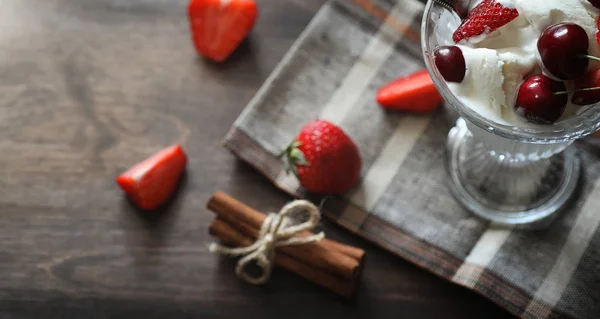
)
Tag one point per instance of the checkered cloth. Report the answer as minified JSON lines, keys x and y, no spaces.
{"x":333,"y":70}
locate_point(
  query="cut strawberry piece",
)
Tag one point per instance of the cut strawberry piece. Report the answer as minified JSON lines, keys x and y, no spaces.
{"x":413,"y":93}
{"x":485,"y":18}
{"x":219,"y":26}
{"x":151,"y":182}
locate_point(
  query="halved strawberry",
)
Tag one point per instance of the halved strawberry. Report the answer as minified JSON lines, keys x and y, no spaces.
{"x":413,"y":93}
{"x":219,"y":26}
{"x":485,"y":18}
{"x":151,"y":182}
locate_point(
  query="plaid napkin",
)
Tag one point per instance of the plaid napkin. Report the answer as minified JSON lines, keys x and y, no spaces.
{"x":333,"y":70}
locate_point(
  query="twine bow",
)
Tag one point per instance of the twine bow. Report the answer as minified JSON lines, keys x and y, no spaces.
{"x":277,"y":230}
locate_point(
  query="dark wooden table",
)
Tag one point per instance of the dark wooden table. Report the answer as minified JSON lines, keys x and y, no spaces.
{"x":89,"y":87}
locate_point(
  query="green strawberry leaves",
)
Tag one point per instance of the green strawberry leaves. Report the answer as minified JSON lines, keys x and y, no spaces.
{"x":292,"y":156}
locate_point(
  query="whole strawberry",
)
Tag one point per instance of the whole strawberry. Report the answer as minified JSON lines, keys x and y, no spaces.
{"x":324,"y":158}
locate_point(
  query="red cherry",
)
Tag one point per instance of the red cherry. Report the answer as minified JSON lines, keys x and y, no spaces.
{"x":537,"y":101}
{"x":451,"y":63}
{"x":563,"y":49}
{"x":598,"y":30}
{"x":587,"y":89}
{"x":595,"y":3}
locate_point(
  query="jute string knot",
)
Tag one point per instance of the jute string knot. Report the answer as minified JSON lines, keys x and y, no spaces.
{"x":278,"y":230}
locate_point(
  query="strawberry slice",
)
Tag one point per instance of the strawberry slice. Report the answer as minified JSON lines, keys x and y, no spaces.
{"x":151,"y":182}
{"x":485,"y":18}
{"x":414,"y":93}
{"x":219,"y":26}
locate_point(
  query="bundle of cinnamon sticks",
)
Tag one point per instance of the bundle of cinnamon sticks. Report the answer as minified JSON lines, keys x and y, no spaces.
{"x":327,"y":263}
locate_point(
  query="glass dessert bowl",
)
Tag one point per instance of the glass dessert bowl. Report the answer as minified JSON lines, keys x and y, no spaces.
{"x":505,"y":172}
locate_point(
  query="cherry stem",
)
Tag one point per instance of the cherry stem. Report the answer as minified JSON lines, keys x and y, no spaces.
{"x":580,"y":90}
{"x":591,"y":57}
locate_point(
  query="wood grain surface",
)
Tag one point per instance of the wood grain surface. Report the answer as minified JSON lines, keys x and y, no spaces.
{"x":90,"y":87}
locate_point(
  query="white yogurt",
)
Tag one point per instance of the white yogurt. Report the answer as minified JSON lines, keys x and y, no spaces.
{"x":499,"y":62}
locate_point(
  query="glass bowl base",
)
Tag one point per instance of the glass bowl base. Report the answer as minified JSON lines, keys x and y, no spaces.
{"x":505,"y":189}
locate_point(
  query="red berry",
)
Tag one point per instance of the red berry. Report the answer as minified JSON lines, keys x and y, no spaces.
{"x":151,"y":182}
{"x":219,"y":26}
{"x":413,"y":93}
{"x":598,"y":30}
{"x":485,"y":18}
{"x":450,"y":61}
{"x":587,"y":97}
{"x":537,"y":101}
{"x":563,"y":49}
{"x":324,"y":158}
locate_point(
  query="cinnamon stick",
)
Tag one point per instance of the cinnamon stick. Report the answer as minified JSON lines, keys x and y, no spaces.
{"x":253,"y":233}
{"x":222,"y":203}
{"x":231,"y":236}
{"x":325,"y":254}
